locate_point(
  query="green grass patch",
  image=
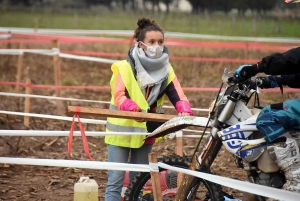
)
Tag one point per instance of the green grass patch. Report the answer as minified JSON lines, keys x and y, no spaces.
{"x":104,"y":19}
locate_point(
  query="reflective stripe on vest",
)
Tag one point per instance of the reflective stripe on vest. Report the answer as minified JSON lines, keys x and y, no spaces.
{"x":119,"y":128}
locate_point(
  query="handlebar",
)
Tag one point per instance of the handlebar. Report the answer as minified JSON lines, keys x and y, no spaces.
{"x":253,"y":80}
{"x":247,"y":84}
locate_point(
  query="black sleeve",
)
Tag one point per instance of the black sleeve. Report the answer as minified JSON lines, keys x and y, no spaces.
{"x":281,"y":63}
{"x":292,"y":81}
{"x":172,"y":94}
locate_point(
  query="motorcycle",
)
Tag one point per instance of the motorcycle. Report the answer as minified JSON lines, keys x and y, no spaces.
{"x":232,"y":124}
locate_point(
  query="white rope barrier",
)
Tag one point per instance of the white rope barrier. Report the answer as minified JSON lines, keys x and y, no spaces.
{"x":55,"y":51}
{"x":129,"y":33}
{"x":51,"y":52}
{"x":43,"y":133}
{"x":83,"y":120}
{"x":50,"y":97}
{"x":87,"y":58}
{"x":76,"y":164}
{"x":10,"y":52}
{"x":224,"y":181}
{"x":5,"y":36}
{"x":239,"y":185}
{"x":75,"y":99}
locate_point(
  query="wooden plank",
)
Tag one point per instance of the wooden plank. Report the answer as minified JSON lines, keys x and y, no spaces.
{"x":155,"y":177}
{"x":89,"y":111}
{"x":179,"y":152}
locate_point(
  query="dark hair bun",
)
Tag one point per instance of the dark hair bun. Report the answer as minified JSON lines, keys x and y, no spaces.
{"x":144,"y":22}
{"x":145,"y":25}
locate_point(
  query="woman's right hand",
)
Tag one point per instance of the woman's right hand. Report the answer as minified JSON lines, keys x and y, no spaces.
{"x":137,"y":109}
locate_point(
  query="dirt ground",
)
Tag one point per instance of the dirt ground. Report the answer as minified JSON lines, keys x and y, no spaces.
{"x":36,"y":183}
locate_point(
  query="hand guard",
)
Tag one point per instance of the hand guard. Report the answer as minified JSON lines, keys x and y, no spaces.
{"x":245,"y":71}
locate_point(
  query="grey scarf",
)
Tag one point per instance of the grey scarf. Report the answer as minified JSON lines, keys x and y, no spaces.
{"x":150,"y":72}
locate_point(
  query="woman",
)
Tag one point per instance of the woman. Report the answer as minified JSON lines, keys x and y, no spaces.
{"x":139,"y":84}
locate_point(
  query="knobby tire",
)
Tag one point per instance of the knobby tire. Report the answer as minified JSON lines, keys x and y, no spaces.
{"x":135,"y":189}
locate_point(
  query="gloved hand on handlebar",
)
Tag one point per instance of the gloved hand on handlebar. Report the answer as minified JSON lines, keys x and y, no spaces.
{"x":245,"y":71}
{"x":269,"y":81}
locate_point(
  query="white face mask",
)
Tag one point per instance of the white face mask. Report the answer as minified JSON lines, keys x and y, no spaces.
{"x":154,"y":51}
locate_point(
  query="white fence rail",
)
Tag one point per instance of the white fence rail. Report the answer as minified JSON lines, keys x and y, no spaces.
{"x":129,"y":33}
{"x":224,"y":181}
{"x":232,"y":183}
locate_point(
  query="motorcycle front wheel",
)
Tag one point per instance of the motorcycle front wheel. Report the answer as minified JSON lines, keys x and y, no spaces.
{"x":140,"y":188}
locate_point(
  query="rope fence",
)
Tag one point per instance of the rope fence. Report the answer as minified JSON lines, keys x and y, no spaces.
{"x":224,"y":181}
{"x":251,"y":43}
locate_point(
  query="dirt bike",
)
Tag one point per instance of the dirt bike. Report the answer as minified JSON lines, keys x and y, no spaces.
{"x":233,"y":125}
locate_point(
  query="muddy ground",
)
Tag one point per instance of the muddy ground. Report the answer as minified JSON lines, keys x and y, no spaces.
{"x":22,"y":182}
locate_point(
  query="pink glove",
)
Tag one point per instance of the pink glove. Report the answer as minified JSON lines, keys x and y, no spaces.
{"x":183,"y":107}
{"x":128,"y":105}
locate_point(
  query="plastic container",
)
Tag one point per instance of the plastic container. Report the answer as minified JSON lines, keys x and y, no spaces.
{"x":86,"y":189}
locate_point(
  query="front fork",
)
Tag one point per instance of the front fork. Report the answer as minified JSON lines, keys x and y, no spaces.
{"x":208,"y":154}
{"x":214,"y":144}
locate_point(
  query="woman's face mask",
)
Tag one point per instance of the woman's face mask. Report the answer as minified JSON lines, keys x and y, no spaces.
{"x":153,"y":51}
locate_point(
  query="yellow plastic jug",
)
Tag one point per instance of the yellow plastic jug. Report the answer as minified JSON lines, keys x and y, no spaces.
{"x":86,"y":189}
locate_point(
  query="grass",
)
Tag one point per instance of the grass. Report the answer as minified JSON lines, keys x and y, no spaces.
{"x":201,"y":74}
{"x":103,"y":19}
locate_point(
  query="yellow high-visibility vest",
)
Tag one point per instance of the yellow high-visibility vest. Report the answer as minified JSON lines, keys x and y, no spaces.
{"x":128,"y":125}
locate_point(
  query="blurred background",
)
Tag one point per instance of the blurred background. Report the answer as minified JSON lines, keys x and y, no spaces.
{"x":235,"y":17}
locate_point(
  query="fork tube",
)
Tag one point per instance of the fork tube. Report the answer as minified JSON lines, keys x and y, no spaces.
{"x":214,"y":144}
{"x":227,"y":111}
{"x":224,"y":116}
{"x":208,"y":154}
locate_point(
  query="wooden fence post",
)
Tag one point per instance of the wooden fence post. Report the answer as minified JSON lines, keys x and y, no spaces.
{"x":179,"y":152}
{"x":8,"y":44}
{"x":27,"y":103}
{"x":57,"y":79}
{"x":155,"y":177}
{"x":19,"y":69}
{"x":179,"y":143}
{"x":56,"y":66}
{"x":246,"y":50}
